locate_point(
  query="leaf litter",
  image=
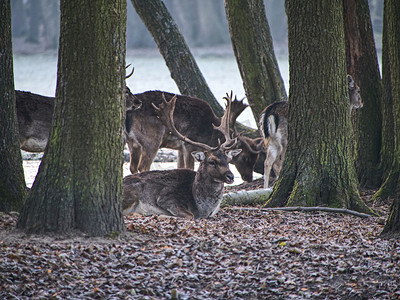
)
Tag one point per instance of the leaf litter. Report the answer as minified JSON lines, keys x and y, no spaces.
{"x":236,"y":255}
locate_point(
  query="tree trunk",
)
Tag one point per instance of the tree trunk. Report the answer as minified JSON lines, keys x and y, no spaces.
{"x":79,"y":183}
{"x":177,"y":55}
{"x":392,"y":24}
{"x":253,"y":48}
{"x":319,"y":167}
{"x":12,"y":181}
{"x":388,"y":140}
{"x":362,"y":65}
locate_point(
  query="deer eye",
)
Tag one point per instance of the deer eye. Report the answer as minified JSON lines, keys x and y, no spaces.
{"x":212,"y":163}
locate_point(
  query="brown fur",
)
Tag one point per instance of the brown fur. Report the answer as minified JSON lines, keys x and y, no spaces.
{"x":193,"y":117}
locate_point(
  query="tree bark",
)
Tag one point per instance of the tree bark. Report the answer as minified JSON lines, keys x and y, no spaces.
{"x":12,"y":181}
{"x":388,"y":140}
{"x":177,"y":55}
{"x":362,"y":65}
{"x":319,"y":166}
{"x":392,"y":30}
{"x":173,"y":48}
{"x":254,"y":52}
{"x":79,"y":183}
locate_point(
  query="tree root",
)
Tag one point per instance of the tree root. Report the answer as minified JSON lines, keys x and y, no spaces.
{"x":300,"y":208}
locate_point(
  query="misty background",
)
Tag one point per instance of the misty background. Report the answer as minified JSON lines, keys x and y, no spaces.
{"x":35,"y":28}
{"x":35,"y":24}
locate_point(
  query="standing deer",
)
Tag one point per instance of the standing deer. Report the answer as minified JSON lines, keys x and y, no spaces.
{"x":183,"y":192}
{"x":194,"y":118}
{"x":35,"y":113}
{"x":273,"y":127}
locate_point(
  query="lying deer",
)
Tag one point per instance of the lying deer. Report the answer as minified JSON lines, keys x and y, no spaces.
{"x":194,"y":118}
{"x":34,"y":114}
{"x":273,"y":126}
{"x":183,"y":192}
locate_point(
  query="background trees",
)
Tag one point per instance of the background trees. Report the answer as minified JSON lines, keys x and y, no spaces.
{"x":319,"y":167}
{"x":362,"y":65}
{"x":12,"y":181}
{"x":79,"y":183}
{"x":254,"y":52}
{"x":392,"y":52}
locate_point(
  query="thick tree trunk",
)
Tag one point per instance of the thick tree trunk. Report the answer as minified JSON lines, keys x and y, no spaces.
{"x":12,"y":181}
{"x":319,"y":167}
{"x":362,"y":65}
{"x":79,"y":183}
{"x":254,"y":52}
{"x":388,"y":140}
{"x":392,"y":24}
{"x":173,"y":48}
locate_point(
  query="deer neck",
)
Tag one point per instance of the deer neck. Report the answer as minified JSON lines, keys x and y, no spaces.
{"x":207,"y":194}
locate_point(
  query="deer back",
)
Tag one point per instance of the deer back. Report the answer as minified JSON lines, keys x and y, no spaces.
{"x":34,"y":114}
{"x":193,"y":117}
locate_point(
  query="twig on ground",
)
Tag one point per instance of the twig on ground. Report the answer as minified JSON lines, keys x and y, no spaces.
{"x":300,"y":208}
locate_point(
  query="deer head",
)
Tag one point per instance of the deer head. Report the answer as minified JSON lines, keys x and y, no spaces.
{"x":214,"y":160}
{"x":354,"y":94}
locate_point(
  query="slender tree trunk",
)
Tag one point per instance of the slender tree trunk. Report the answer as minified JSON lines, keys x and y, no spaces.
{"x":177,"y":55}
{"x":362,"y":65}
{"x":12,"y":181}
{"x":79,"y":183}
{"x":319,"y":167}
{"x":392,"y":24}
{"x":254,"y":52}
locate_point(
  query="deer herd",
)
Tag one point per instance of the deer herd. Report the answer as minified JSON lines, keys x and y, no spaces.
{"x":155,"y":120}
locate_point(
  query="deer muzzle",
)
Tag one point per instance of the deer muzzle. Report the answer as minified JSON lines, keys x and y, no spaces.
{"x":229,"y":177}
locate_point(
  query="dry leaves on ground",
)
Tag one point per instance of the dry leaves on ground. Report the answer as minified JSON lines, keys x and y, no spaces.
{"x":237,"y":255}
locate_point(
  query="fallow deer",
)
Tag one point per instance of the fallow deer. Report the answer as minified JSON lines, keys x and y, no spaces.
{"x":273,"y":127}
{"x":183,"y":192}
{"x":194,"y":118}
{"x":34,"y":115}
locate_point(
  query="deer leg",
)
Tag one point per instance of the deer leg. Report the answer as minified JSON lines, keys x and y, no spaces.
{"x":181,"y":160}
{"x":188,"y":158}
{"x":135,"y":154}
{"x":268,"y":163}
{"x":147,"y":159}
{"x":166,"y":201}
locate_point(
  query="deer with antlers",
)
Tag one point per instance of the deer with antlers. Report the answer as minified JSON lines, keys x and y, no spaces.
{"x":194,"y":118}
{"x":183,"y":192}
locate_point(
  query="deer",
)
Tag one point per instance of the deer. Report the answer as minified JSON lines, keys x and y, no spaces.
{"x":273,"y":127}
{"x":183,"y":192}
{"x":35,"y":113}
{"x":194,"y":118}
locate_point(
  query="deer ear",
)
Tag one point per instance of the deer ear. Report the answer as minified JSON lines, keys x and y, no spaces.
{"x":198,"y":155}
{"x":233,"y":153}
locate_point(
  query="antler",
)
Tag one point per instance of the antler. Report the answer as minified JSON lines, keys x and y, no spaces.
{"x":224,"y":125}
{"x":237,"y":108}
{"x":166,"y":114}
{"x":133,"y":70}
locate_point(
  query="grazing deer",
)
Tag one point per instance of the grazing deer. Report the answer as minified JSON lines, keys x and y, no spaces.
{"x":34,"y":115}
{"x":194,"y":118}
{"x":273,"y":127}
{"x":183,"y":192}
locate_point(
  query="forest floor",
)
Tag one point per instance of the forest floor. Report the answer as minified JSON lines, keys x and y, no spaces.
{"x":239,"y":254}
